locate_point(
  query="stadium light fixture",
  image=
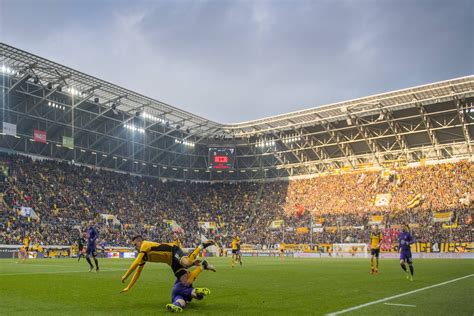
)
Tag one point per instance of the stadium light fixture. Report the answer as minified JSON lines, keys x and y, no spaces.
{"x":136,"y":162}
{"x":164,"y":167}
{"x":104,"y":155}
{"x":174,"y":169}
{"x":184,"y":142}
{"x":73,"y":91}
{"x":154,"y":166}
{"x":265,"y":143}
{"x":123,"y":159}
{"x":94,"y":153}
{"x":114,"y":157}
{"x":133,"y":128}
{"x":290,"y":139}
{"x":152,"y":118}
{"x":83,"y":151}
{"x":7,"y":70}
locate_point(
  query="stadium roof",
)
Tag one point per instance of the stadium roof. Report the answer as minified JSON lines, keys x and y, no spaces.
{"x":430,"y":121}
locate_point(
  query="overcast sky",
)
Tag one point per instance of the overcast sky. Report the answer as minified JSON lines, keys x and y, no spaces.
{"x":233,"y":61}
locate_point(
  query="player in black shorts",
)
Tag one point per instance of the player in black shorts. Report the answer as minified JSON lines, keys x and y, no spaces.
{"x":80,"y":246}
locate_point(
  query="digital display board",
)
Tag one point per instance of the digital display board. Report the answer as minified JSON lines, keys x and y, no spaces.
{"x":221,"y":157}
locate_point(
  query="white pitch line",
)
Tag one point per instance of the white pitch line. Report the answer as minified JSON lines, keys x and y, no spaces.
{"x":404,"y":305}
{"x":59,"y":272}
{"x":397,"y":296}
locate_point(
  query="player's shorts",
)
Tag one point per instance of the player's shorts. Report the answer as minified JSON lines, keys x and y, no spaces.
{"x":181,"y":292}
{"x":235,"y":251}
{"x":405,"y":256}
{"x":375,"y":252}
{"x":91,"y":250}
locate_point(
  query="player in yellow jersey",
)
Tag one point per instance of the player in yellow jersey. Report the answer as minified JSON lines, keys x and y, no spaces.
{"x":26,"y":247}
{"x":236,"y":251}
{"x":172,"y":255}
{"x":375,"y":243}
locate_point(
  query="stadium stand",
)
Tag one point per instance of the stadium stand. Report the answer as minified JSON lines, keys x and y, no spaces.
{"x":434,"y":199}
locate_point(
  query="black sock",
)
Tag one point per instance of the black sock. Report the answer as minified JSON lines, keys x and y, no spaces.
{"x":89,"y":261}
{"x":404,"y":267}
{"x":411,"y":269}
{"x":96,"y":263}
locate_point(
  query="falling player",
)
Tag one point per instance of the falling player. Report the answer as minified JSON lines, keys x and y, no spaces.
{"x":169,"y":253}
{"x":92,"y":248}
{"x":183,"y":294}
{"x":375,"y":243}
{"x":406,"y":240}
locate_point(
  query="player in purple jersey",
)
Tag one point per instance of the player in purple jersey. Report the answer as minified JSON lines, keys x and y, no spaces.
{"x":91,"y":247}
{"x":405,"y":240}
{"x":183,"y":294}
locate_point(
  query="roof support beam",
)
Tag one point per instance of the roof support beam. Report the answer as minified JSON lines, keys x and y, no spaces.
{"x":336,"y":136}
{"x":429,"y":129}
{"x":462,"y":118}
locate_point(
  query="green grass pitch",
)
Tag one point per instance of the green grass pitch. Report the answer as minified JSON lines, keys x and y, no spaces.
{"x":262,"y":286}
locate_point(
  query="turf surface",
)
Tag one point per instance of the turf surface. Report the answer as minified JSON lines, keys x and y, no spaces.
{"x":262,"y":286}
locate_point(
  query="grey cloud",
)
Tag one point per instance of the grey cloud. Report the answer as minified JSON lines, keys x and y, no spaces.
{"x":239,"y":60}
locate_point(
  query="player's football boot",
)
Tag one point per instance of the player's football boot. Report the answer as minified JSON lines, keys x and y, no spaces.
{"x":208,"y":266}
{"x":202,"y":291}
{"x":208,"y":243}
{"x":173,"y":308}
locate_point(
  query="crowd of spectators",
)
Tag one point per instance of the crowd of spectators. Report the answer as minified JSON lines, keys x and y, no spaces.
{"x":67,"y":198}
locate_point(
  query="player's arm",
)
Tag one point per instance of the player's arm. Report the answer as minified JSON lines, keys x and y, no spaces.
{"x":138,"y":260}
{"x":410,"y":239}
{"x":135,"y":277}
{"x":380,"y":241}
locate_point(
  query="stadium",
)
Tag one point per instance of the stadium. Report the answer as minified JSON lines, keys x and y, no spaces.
{"x":285,"y":208}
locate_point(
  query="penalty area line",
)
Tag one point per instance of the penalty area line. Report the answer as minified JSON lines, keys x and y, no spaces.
{"x":397,"y":296}
{"x":403,"y":305}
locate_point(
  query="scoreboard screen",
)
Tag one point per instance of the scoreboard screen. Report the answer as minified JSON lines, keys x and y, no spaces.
{"x":221,"y":157}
